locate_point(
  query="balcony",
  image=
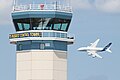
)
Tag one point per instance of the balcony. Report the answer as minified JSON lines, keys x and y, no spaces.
{"x":25,"y":36}
{"x":42,"y":7}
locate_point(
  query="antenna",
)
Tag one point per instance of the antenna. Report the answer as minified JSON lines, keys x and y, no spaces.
{"x":56,"y":4}
{"x":14,"y":2}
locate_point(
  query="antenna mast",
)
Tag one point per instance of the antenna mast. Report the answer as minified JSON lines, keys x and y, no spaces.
{"x":14,"y":2}
{"x":56,"y":4}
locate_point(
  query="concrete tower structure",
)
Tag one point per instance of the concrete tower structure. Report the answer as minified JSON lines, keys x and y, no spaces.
{"x":41,"y":41}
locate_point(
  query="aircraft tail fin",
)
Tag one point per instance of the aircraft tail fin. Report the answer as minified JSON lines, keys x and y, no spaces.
{"x":107,"y":48}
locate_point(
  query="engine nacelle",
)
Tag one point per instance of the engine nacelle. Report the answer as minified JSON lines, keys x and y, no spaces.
{"x":91,"y":43}
{"x":89,"y":54}
{"x":93,"y":56}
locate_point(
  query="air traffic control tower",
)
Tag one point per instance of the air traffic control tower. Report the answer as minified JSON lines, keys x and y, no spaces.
{"x":41,"y":40}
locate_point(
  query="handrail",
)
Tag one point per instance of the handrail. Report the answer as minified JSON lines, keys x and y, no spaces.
{"x":42,"y":7}
{"x":41,"y":34}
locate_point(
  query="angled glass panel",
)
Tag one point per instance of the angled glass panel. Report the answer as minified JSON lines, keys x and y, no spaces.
{"x":57,"y":26}
{"x":41,"y":24}
{"x":20,"y":26}
{"x":27,"y":26}
{"x":64,"y":26}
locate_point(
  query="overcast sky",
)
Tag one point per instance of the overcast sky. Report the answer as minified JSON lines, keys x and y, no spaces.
{"x":92,"y":19}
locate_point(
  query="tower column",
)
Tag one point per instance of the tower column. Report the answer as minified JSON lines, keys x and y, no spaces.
{"x":41,"y":65}
{"x":41,"y":41}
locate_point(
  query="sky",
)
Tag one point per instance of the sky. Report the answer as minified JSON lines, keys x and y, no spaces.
{"x":92,"y":19}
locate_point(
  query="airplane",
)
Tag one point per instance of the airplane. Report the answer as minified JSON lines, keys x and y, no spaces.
{"x":92,"y":49}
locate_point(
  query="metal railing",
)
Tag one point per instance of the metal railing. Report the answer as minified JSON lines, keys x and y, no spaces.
{"x":42,"y":7}
{"x":41,"y":35}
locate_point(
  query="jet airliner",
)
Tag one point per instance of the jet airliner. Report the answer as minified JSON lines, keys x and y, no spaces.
{"x":92,"y":49}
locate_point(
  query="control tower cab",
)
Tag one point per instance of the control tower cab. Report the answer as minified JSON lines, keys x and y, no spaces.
{"x":41,"y":41}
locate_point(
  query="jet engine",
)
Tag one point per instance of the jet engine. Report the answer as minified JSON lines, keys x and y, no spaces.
{"x":89,"y":54}
{"x":93,"y":56}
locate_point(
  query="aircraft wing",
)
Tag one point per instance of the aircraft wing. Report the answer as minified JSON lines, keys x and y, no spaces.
{"x":97,"y":55}
{"x":94,"y":54}
{"x":95,"y":43}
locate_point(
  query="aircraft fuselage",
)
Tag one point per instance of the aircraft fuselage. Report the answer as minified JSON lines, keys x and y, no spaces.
{"x":90,"y":49}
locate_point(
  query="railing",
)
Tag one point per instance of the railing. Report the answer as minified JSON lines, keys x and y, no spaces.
{"x":41,"y":35}
{"x":38,"y":34}
{"x":42,"y":7}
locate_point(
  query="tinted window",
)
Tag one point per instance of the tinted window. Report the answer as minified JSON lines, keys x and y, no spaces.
{"x":64,"y":26}
{"x":41,"y":24}
{"x":42,"y":46}
{"x":46,"y":34}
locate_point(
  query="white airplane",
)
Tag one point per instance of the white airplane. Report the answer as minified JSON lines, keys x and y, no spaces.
{"x":92,"y":49}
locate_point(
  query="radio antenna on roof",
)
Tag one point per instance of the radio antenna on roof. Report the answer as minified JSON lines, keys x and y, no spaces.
{"x":14,"y":2}
{"x":56,"y":4}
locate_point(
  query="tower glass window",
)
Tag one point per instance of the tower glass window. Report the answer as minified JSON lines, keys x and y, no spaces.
{"x":26,"y":26}
{"x":57,"y":26}
{"x":41,"y":24}
{"x":20,"y":26}
{"x":64,"y":26}
{"x":42,"y":46}
{"x":46,"y":34}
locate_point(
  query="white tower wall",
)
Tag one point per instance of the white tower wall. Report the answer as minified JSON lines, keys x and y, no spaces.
{"x":41,"y":65}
